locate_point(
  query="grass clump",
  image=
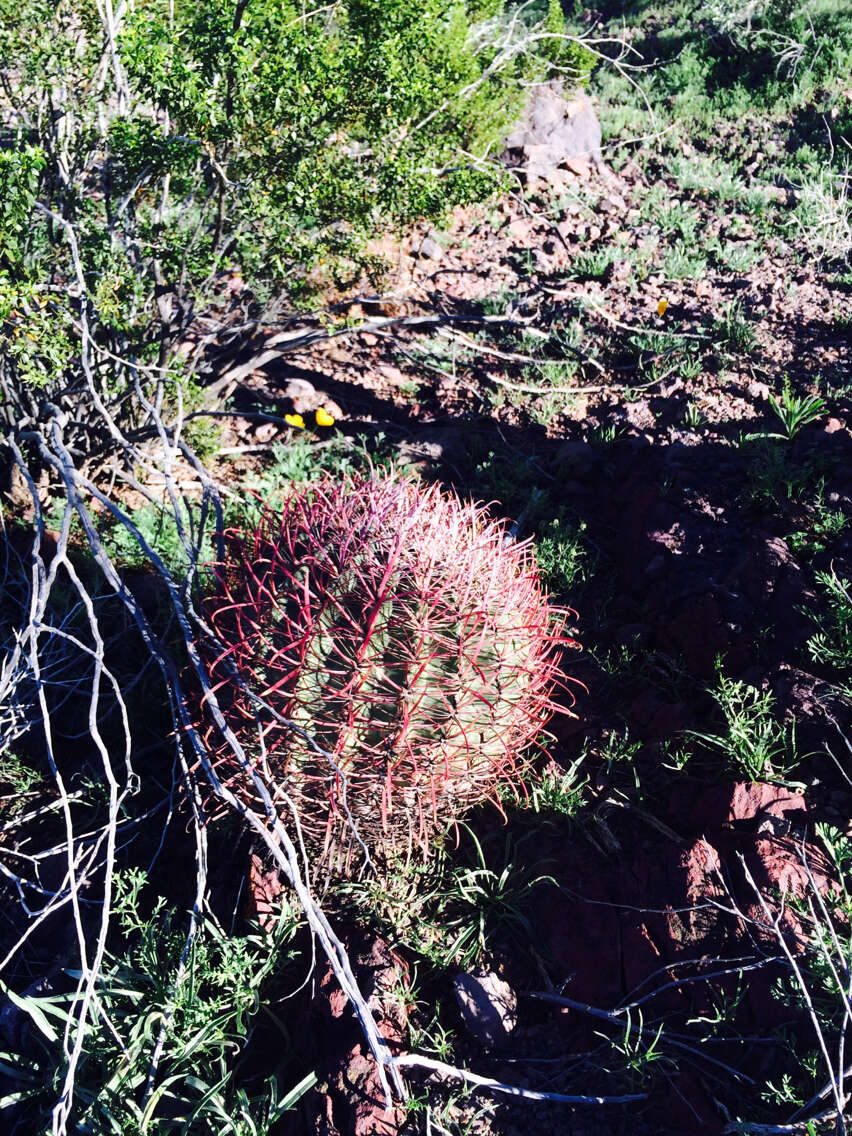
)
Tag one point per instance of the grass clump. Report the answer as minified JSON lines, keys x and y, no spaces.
{"x":755,"y":745}
{"x":734,"y":330}
{"x":564,"y":557}
{"x":824,"y":215}
{"x":454,"y":910}
{"x":201,"y":997}
{"x":831,"y":645}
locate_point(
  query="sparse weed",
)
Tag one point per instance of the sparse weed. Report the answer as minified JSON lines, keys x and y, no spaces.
{"x":683,"y":262}
{"x":556,"y":372}
{"x":795,"y":412}
{"x":455,"y":1112}
{"x":433,"y":1038}
{"x":824,"y":526}
{"x":690,"y":366}
{"x":831,"y":646}
{"x":547,"y":408}
{"x":775,"y":476}
{"x":206,"y":1011}
{"x":451,"y":914}
{"x":607,"y":433}
{"x":672,"y":218}
{"x":619,"y":750}
{"x":559,"y":795}
{"x":158,"y":528}
{"x":754,"y":743}
{"x":678,"y":756}
{"x":18,"y":778}
{"x":592,"y":265}
{"x":655,"y":342}
{"x":300,"y":460}
{"x":818,"y":986}
{"x":692,"y":416}
{"x":481,"y":904}
{"x":564,"y":557}
{"x":701,"y":174}
{"x":823,"y":215}
{"x":639,"y":1051}
{"x":734,"y":329}
{"x":739,"y":256}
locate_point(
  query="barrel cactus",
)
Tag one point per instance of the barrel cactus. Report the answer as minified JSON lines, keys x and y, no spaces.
{"x":406,"y":634}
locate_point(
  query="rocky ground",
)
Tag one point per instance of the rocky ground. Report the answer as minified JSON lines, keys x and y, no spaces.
{"x":643,"y":362}
{"x":567,"y":369}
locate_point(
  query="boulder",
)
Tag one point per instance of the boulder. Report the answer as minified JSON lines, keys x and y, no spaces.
{"x":556,"y":134}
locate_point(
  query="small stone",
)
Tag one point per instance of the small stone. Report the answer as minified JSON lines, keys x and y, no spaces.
{"x":566,"y":230}
{"x":522,"y":230}
{"x":579,"y":166}
{"x":488,"y":1006}
{"x":559,"y":180}
{"x":430,"y":249}
{"x":612,"y":204}
{"x":578,"y":457}
{"x":759,"y":391}
{"x":299,"y":388}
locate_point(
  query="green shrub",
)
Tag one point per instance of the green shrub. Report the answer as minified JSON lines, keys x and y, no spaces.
{"x":755,"y":744}
{"x":141,"y":156}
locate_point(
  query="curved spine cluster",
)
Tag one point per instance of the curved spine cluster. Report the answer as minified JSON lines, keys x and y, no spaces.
{"x":404,"y":632}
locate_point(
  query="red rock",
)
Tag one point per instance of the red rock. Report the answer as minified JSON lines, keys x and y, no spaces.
{"x":701,"y":866}
{"x":579,"y":166}
{"x":690,"y":1108}
{"x":616,"y":927}
{"x":657,"y":719}
{"x":758,"y":799}
{"x":262,"y":894}
{"x":698,"y":631}
{"x":354,"y":1084}
{"x":357,"y":1082}
{"x":785,"y":866}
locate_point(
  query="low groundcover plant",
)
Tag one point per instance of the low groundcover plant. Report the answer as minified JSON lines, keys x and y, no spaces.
{"x":408,"y":639}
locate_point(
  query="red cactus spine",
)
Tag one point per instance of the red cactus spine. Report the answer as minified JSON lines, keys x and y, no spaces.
{"x":399,"y":628}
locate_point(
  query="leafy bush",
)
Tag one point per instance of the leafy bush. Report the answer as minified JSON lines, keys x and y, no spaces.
{"x":143,"y":153}
{"x":739,"y":22}
{"x":406,"y":634}
{"x":793,"y":37}
{"x":312,"y":126}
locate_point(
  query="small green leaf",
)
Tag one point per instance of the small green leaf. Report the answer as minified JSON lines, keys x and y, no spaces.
{"x":31,"y":1007}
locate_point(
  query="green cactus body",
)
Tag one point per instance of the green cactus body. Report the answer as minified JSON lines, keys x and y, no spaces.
{"x":397,"y":627}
